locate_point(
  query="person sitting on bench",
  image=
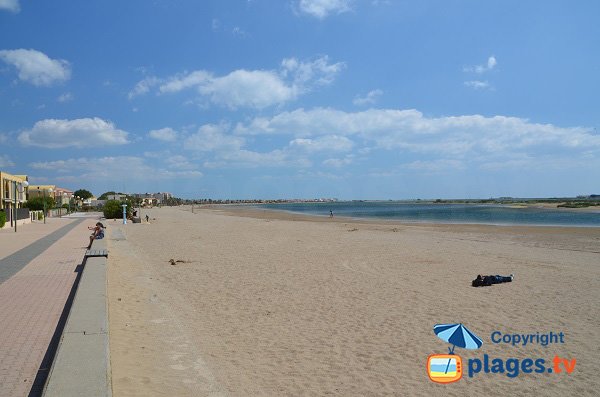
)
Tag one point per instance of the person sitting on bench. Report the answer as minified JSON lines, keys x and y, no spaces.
{"x":97,"y":234}
{"x":485,"y":281}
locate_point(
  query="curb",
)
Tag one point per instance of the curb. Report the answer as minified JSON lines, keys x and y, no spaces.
{"x":82,"y":363}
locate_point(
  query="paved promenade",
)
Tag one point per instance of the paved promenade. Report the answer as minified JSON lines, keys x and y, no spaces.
{"x":38,"y":268}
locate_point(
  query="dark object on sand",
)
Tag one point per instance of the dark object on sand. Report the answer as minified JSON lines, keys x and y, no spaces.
{"x":173,"y":262}
{"x":486,"y":281}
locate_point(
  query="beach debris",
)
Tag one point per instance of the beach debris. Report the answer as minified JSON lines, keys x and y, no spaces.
{"x":173,"y":262}
{"x":395,"y":230}
{"x":353,"y":229}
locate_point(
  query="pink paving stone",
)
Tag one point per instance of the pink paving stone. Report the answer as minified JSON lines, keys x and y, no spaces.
{"x":31,"y":303}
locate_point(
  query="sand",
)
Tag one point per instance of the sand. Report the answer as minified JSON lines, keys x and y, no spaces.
{"x":272,"y":304}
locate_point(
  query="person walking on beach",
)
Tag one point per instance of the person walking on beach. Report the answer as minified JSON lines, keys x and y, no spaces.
{"x":331,"y":213}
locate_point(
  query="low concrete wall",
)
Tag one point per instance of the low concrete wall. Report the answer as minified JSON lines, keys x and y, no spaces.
{"x":82,"y":364}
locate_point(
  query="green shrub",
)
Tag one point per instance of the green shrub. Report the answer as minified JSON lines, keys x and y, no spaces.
{"x":113,"y":209}
{"x":2,"y":219}
{"x":37,"y":203}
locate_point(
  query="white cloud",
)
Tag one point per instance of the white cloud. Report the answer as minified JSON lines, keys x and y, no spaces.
{"x":242,"y":88}
{"x":369,"y":99}
{"x":143,"y":86}
{"x":477,"y":84}
{"x":337,"y":163}
{"x":212,"y":137}
{"x":227,"y":150}
{"x":5,"y":161}
{"x":322,"y":8}
{"x":164,"y":134}
{"x":183,"y":81}
{"x":66,"y":97}
{"x":37,"y":68}
{"x":249,"y":88}
{"x":179,"y":162}
{"x":434,"y":166}
{"x":411,"y":131}
{"x":480,"y":69}
{"x":330,"y":143}
{"x":311,"y":73}
{"x":10,"y":5}
{"x":79,"y":133}
{"x":111,"y":169}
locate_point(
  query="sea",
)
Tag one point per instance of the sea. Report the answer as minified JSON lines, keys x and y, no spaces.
{"x":489,"y":214}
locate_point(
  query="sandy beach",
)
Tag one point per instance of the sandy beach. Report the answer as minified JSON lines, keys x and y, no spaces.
{"x":262,"y":303}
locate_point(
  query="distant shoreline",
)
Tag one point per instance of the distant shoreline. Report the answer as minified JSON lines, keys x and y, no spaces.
{"x":254,"y":211}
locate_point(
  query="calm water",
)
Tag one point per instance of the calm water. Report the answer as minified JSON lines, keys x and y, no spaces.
{"x":446,"y":213}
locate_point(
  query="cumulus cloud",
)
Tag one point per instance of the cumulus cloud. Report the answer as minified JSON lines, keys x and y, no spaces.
{"x":306,"y":74}
{"x":37,"y":68}
{"x":452,"y":137}
{"x":369,"y":99}
{"x":221,"y":149}
{"x":10,"y":5}
{"x":242,"y":88}
{"x":213,"y":138}
{"x":249,"y":88}
{"x":79,"y":133}
{"x":322,"y":8}
{"x":164,"y":134}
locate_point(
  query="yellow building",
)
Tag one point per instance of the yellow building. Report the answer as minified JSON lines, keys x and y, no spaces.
{"x":13,"y":191}
{"x":41,"y":191}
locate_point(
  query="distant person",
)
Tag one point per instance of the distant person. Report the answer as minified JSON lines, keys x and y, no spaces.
{"x":486,"y":281}
{"x":147,"y":218}
{"x":330,"y":213}
{"x":97,"y":234}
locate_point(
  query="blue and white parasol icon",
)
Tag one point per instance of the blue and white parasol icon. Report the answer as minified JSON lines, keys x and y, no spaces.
{"x":458,"y":335}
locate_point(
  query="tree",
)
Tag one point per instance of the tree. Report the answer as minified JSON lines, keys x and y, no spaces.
{"x":105,"y":195}
{"x":113,"y":209}
{"x":37,"y":203}
{"x":84,"y":194}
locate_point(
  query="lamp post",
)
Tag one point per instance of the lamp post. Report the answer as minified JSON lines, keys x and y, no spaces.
{"x":23,"y":184}
{"x":44,"y":191}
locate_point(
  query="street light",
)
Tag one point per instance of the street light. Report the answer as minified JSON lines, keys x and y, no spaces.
{"x":23,"y":184}
{"x":44,"y":191}
{"x":68,"y":202}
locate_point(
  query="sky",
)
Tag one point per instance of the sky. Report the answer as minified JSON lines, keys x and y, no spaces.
{"x":348,"y":99}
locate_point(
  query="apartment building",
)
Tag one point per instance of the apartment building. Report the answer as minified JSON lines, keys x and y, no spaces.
{"x":13,"y":193}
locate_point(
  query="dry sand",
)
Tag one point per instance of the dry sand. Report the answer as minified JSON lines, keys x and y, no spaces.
{"x":271,"y":304}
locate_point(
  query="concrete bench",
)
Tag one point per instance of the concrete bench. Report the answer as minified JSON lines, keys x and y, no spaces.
{"x":81,"y":366}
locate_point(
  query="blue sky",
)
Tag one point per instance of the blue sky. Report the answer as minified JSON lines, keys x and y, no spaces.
{"x":355,"y":99}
